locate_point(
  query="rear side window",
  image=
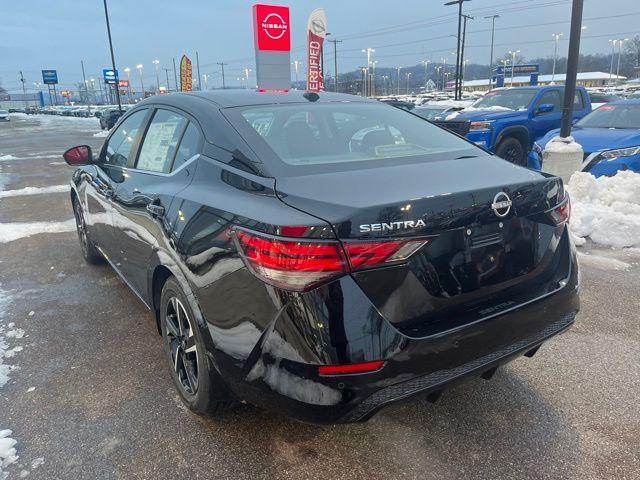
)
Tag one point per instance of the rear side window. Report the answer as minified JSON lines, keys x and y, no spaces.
{"x":578,"y":101}
{"x":189,"y":146}
{"x":121,"y":142}
{"x":161,"y":141}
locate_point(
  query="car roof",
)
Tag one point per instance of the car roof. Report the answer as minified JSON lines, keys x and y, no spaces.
{"x":244,"y":97}
{"x":627,"y":101}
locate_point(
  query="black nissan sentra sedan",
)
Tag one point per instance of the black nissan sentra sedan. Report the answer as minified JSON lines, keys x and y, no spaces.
{"x":323,"y":255}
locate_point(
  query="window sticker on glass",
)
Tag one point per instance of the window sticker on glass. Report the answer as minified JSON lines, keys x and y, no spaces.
{"x":161,"y":141}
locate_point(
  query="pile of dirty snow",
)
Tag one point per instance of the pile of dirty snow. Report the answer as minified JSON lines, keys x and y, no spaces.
{"x":606,"y":209}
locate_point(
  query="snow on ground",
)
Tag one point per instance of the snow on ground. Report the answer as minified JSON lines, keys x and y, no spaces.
{"x":13,"y":231}
{"x":8,"y":157}
{"x":606,"y":209}
{"x":103,"y":133}
{"x":34,"y":191}
{"x":8,"y":454}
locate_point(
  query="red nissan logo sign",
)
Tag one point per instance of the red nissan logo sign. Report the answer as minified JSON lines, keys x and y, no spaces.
{"x":271,"y":27}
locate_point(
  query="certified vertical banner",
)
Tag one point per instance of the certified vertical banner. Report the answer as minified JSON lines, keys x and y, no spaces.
{"x":316,"y":32}
{"x":186,"y":76}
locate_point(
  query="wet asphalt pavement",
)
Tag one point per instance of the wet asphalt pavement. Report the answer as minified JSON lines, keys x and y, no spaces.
{"x":104,"y":406}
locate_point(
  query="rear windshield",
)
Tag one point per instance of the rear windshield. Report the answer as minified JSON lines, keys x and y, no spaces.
{"x":313,"y":134}
{"x":613,"y":116}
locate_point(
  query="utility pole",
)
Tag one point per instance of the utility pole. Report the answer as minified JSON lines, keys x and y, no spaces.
{"x":113,"y":58}
{"x":335,"y":61}
{"x":198,"y":70}
{"x":493,"y":28}
{"x":461,"y":73}
{"x":222,"y":64}
{"x":572,"y":67}
{"x":556,"y":36}
{"x":166,"y":72}
{"x":175,"y":74}
{"x":24,"y":90}
{"x":458,"y":62}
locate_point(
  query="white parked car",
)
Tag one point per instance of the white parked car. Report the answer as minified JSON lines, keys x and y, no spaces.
{"x":4,"y":116}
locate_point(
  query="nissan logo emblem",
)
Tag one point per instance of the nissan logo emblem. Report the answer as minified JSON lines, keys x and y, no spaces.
{"x":274,"y":26}
{"x":501,"y":205}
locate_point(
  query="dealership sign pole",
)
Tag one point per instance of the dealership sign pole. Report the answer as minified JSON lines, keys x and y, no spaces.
{"x":186,"y":74}
{"x":272,"y":43}
{"x":316,"y":33}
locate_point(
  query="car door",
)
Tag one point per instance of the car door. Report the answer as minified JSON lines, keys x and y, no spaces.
{"x":104,"y":176}
{"x":163,"y":168}
{"x":542,"y":122}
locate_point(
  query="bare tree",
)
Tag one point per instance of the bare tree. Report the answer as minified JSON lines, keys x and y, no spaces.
{"x":633,"y":47}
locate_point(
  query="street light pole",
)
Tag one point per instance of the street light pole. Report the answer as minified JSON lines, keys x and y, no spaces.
{"x":556,"y":36}
{"x":444,"y":70}
{"x":613,"y":54}
{"x":458,"y":60}
{"x":426,"y":73}
{"x":493,"y":28}
{"x":157,"y":65}
{"x":513,"y":62}
{"x":166,"y":72}
{"x":398,"y":68}
{"x":139,"y":67}
{"x":113,"y":58}
{"x":572,"y":68}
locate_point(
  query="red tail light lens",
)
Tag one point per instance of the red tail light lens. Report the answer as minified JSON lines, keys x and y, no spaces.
{"x":300,"y":264}
{"x":364,"y":367}
{"x":562,"y":213}
{"x":290,"y":263}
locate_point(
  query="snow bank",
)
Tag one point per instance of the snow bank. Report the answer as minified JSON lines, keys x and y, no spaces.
{"x":103,"y":133}
{"x":8,"y":157}
{"x":34,"y":191}
{"x":13,"y":231}
{"x":606,"y":209}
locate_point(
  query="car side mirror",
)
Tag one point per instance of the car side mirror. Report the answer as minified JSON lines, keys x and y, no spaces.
{"x":545,"y":108}
{"x":80,"y":155}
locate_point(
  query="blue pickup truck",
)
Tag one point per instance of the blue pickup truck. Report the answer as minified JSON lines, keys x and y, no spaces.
{"x":507,"y":121}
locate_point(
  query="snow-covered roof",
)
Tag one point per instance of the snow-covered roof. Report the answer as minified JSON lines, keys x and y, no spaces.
{"x":559,"y":77}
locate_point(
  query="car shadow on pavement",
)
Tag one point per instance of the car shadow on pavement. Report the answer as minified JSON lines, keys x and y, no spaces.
{"x":503,"y":428}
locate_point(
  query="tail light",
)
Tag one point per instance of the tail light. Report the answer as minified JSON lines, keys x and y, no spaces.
{"x":299,"y":264}
{"x":562,"y":212}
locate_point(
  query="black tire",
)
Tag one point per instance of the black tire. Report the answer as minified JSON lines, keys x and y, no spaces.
{"x":205,"y":392}
{"x":511,"y":150}
{"x":89,"y":251}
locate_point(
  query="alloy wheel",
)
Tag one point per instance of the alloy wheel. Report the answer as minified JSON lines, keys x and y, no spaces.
{"x":182,"y":345}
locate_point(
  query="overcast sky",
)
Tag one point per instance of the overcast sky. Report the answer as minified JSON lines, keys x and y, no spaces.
{"x":39,"y":34}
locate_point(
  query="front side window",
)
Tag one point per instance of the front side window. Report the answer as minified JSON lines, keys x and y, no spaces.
{"x":552,"y":97}
{"x":161,"y":141}
{"x":332,"y":133}
{"x":121,"y":142}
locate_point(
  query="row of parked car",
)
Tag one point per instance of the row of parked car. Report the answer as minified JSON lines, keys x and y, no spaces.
{"x":517,"y":123}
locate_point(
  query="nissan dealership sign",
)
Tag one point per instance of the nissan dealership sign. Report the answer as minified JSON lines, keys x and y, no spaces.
{"x":272,"y":40}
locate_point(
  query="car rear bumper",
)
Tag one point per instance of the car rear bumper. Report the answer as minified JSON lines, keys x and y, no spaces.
{"x":281,"y":373}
